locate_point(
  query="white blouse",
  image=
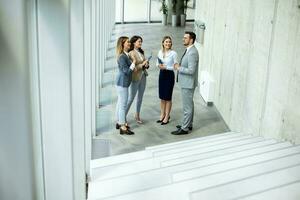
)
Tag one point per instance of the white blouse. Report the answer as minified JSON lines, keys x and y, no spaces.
{"x":169,"y":59}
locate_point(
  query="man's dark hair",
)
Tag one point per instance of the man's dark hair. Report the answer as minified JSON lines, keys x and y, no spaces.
{"x":192,"y":35}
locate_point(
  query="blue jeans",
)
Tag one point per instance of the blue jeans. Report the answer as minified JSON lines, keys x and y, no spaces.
{"x":121,"y":104}
{"x":136,"y":86}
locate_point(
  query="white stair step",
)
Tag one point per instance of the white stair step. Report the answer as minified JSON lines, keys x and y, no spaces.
{"x":176,"y":144}
{"x":128,"y":168}
{"x":234,"y":163}
{"x":239,"y":189}
{"x":289,"y":192}
{"x":124,"y":169}
{"x":154,"y":163}
{"x":129,"y":157}
{"x":195,"y":143}
{"x":226,"y":149}
{"x":181,"y":190}
{"x":113,"y":160}
{"x":202,"y":147}
{"x":200,"y":144}
{"x":162,"y":176}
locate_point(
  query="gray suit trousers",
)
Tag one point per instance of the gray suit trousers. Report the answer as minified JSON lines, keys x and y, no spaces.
{"x":188,"y":108}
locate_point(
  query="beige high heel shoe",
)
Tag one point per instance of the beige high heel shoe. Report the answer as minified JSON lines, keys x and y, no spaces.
{"x":138,"y":119}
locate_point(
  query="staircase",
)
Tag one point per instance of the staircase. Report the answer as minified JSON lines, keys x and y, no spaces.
{"x":223,"y":166}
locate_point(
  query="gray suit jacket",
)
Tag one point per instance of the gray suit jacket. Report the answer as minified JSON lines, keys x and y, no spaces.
{"x":124,"y":76}
{"x":188,"y":71}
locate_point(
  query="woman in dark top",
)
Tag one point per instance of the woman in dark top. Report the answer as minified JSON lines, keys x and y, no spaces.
{"x":166,"y":60}
{"x":124,"y":78}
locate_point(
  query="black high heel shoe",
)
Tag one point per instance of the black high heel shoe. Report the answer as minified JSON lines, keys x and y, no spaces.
{"x":126,"y":132}
{"x":164,"y":123}
{"x":118,"y":126}
{"x":160,"y":120}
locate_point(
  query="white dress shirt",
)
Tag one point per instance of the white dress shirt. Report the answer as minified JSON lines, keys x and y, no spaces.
{"x":169,"y":59}
{"x":188,"y":48}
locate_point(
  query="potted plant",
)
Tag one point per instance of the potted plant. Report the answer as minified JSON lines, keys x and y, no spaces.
{"x":174,"y":16}
{"x":164,"y":10}
{"x":183,"y":16}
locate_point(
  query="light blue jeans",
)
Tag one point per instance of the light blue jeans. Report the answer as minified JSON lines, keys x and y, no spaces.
{"x":136,"y":87}
{"x":121,"y":104}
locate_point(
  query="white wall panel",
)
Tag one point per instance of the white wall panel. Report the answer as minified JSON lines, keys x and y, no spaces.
{"x":55,"y":84}
{"x":93,"y":64}
{"x":89,"y":109}
{"x":48,"y":73}
{"x":78,"y":95}
{"x":16,"y":153}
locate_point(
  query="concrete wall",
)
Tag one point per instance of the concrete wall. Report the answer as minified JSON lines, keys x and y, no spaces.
{"x":251,"y":49}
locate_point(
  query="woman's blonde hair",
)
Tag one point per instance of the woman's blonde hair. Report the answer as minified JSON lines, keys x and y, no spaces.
{"x":163,"y":40}
{"x":120,"y":45}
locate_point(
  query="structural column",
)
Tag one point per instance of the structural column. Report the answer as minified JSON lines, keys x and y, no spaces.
{"x":16,"y":150}
{"x":61,"y":95}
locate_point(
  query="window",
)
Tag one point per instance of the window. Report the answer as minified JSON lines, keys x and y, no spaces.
{"x":135,"y":10}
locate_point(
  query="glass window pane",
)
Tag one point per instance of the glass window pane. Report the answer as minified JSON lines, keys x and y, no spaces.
{"x":190,"y":13}
{"x":118,"y":10}
{"x":156,"y":15}
{"x":135,"y":10}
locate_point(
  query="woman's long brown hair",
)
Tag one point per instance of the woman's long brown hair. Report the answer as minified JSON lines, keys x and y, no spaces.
{"x":133,"y":39}
{"x":120,"y":45}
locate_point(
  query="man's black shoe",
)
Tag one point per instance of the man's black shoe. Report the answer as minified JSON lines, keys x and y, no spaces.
{"x":179,"y":132}
{"x":179,"y":127}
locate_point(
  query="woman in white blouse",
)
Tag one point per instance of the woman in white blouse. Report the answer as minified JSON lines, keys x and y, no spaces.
{"x":166,"y":60}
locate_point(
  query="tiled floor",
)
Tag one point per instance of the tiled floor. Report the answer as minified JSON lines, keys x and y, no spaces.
{"x":207,"y":120}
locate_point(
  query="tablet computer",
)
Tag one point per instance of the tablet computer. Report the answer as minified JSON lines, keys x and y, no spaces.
{"x":159,"y":61}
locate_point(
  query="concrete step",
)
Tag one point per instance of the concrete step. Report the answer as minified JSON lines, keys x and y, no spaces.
{"x":249,"y":144}
{"x":182,"y":189}
{"x":193,"y":145}
{"x":135,"y":166}
{"x":253,"y":186}
{"x":234,"y":163}
{"x":174,"y":144}
{"x":288,"y":191}
{"x":149,"y":179}
{"x":113,"y":160}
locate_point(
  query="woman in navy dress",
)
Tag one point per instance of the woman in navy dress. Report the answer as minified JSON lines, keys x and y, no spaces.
{"x":166,"y":60}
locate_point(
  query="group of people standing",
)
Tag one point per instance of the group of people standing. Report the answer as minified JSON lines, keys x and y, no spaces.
{"x":131,"y":80}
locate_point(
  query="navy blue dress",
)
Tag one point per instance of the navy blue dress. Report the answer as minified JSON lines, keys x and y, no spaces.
{"x":166,"y":84}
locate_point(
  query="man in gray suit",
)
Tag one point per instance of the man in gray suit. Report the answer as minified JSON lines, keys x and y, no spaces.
{"x":187,"y":76}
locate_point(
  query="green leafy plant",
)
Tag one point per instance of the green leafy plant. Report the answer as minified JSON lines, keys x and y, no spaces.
{"x":164,"y":7}
{"x":174,"y":4}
